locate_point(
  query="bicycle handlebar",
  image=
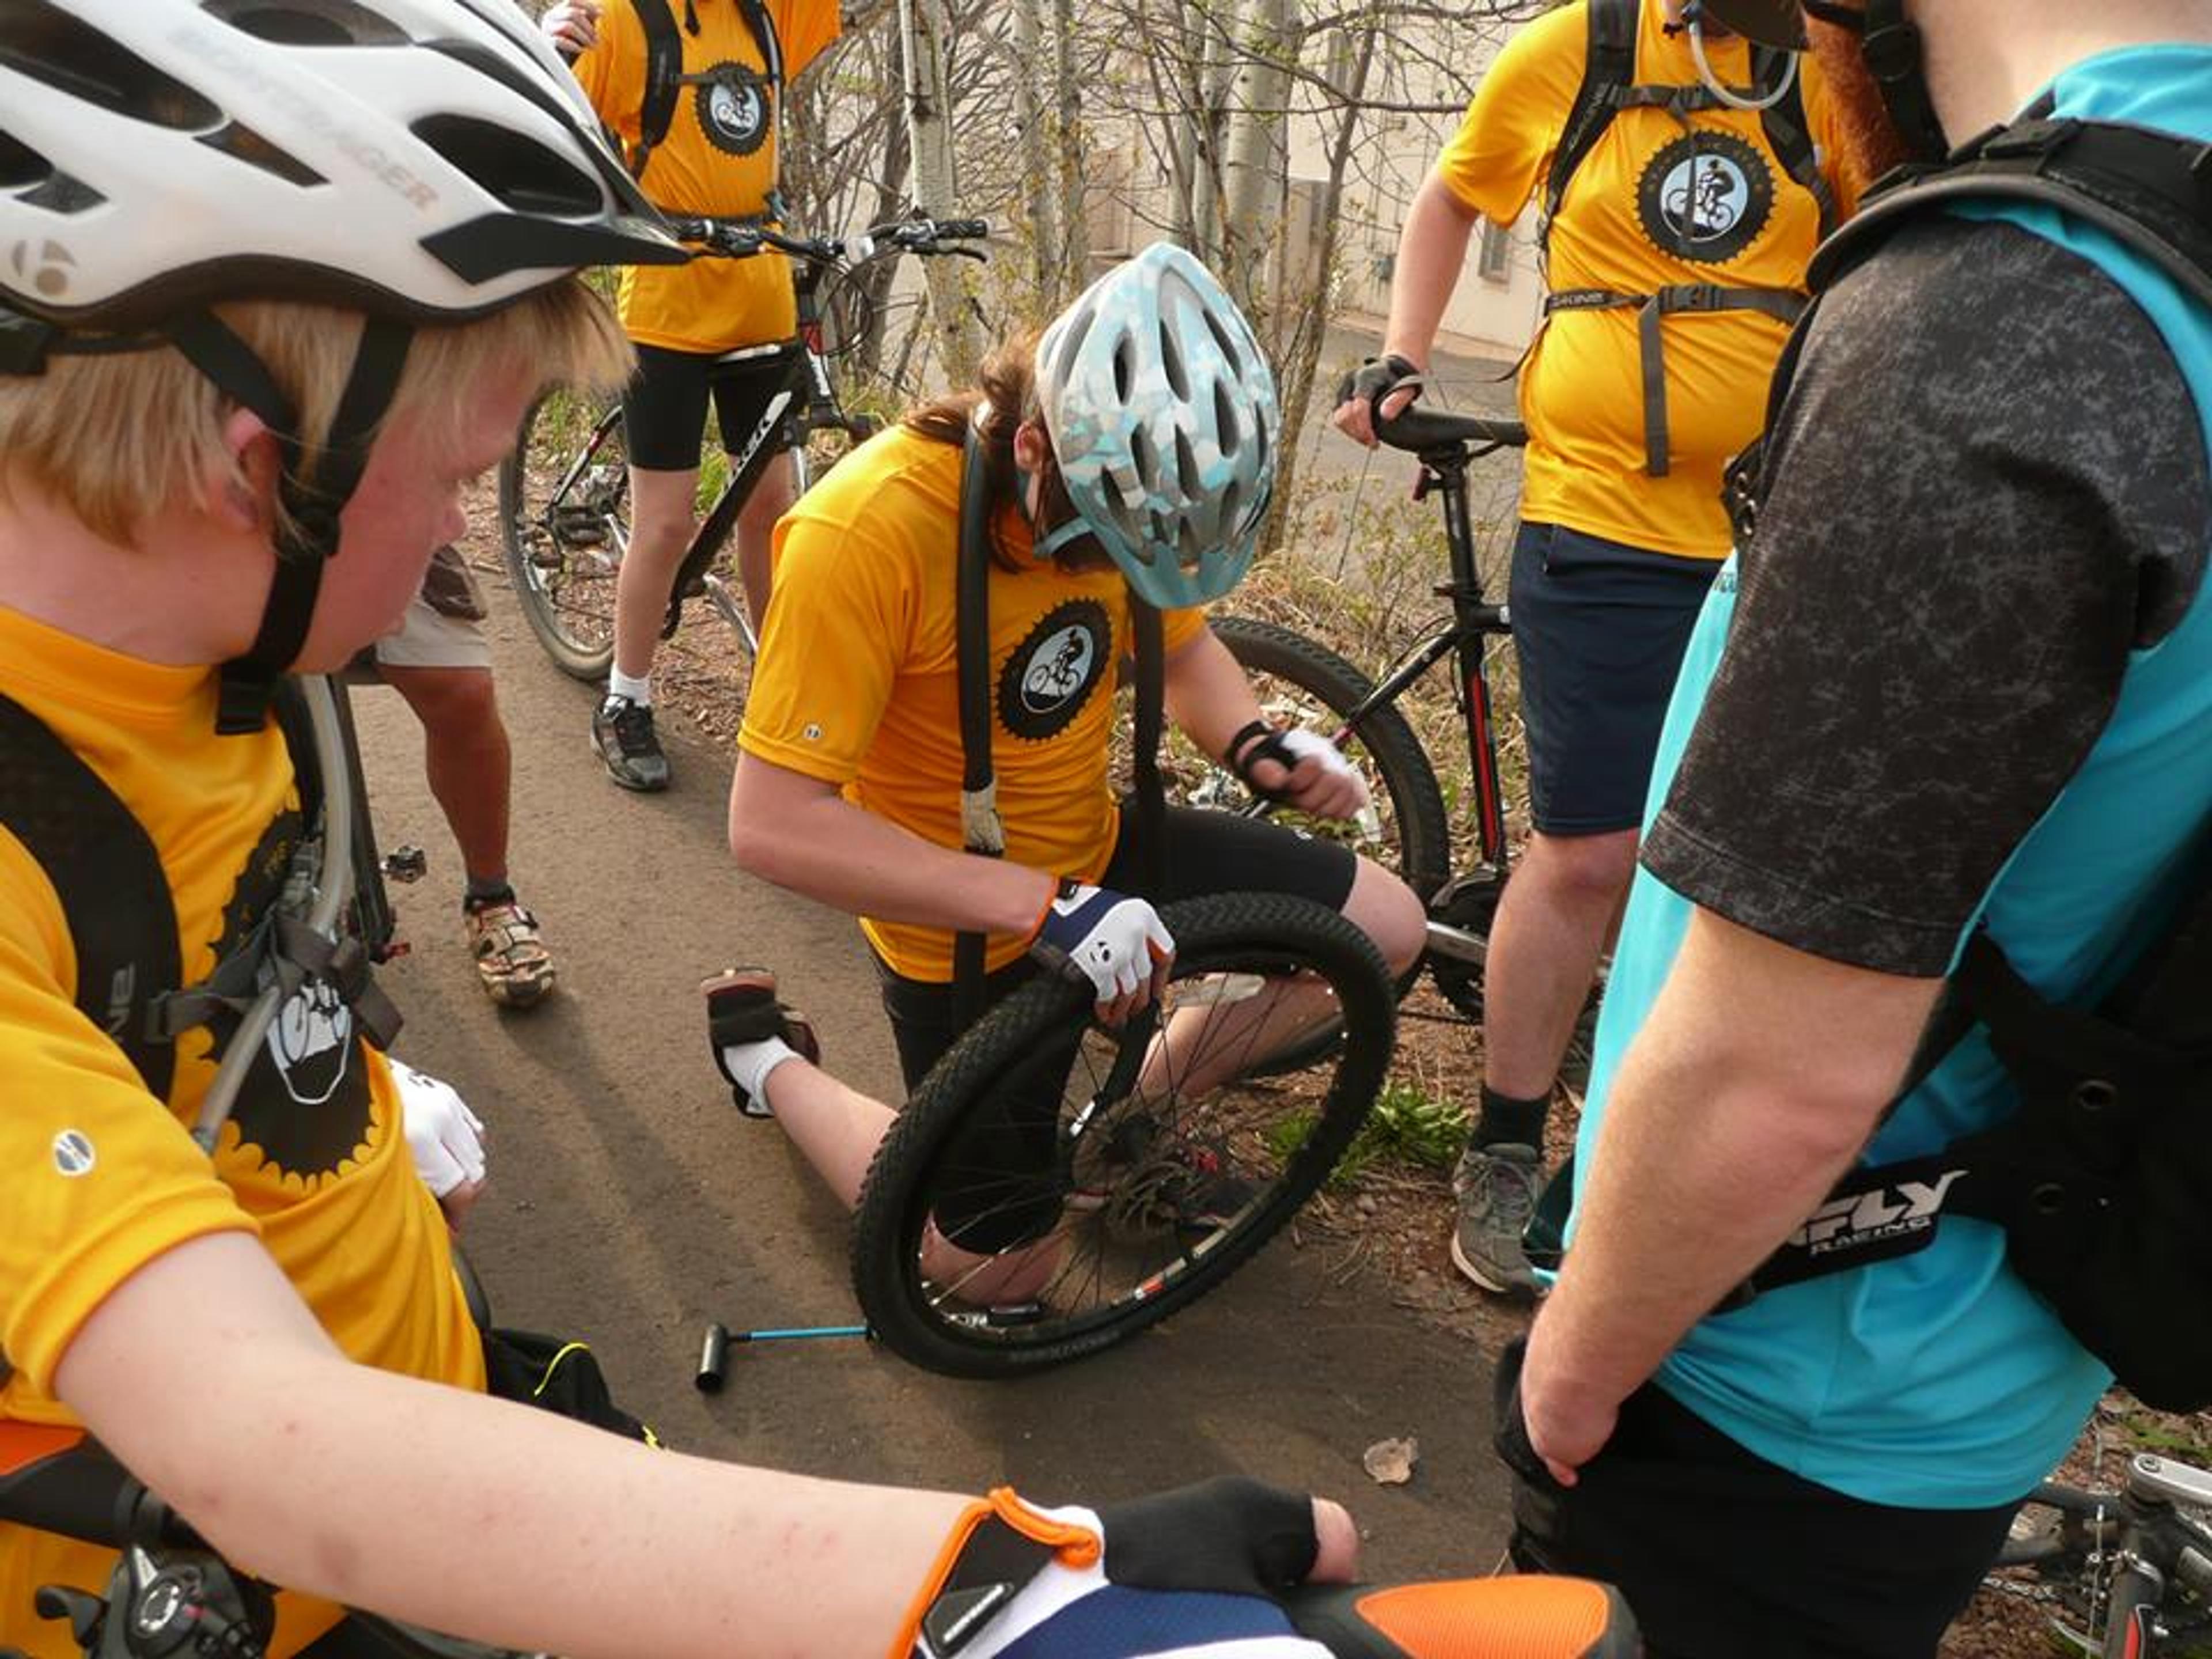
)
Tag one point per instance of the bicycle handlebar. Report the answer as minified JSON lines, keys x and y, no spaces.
{"x":1420,"y":429}
{"x":738,"y":239}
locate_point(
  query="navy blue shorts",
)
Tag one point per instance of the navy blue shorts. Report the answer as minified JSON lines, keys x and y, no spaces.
{"x":1599,"y":629}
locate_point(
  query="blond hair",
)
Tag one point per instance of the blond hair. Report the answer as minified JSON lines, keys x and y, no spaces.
{"x":119,"y":437}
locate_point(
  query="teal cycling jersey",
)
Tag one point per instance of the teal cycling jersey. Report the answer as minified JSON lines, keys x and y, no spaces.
{"x":1939,"y":1380}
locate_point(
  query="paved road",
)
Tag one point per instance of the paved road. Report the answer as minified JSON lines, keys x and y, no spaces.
{"x":630,"y":1202}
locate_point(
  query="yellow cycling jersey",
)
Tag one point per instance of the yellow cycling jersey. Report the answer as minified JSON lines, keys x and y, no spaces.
{"x":97,"y":1177}
{"x":1653,"y":184}
{"x":719,"y":159}
{"x":857,"y":680}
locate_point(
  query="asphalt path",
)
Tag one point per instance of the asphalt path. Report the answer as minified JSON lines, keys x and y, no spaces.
{"x":629,"y":1203}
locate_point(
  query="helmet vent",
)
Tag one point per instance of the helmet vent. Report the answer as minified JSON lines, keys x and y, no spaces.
{"x":1187,"y":466}
{"x":40,"y":40}
{"x":1171,"y":360}
{"x":21,"y":167}
{"x":63,"y":194}
{"x":518,"y":171}
{"x":307,"y":23}
{"x":246,"y":145}
{"x":1231,"y":353}
{"x":1231,"y":499}
{"x":1125,"y":369}
{"x":1145,"y":460}
{"x":1225,"y":420}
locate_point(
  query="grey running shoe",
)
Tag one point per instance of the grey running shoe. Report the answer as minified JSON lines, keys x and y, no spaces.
{"x":621,"y":730}
{"x":1496,"y":1189}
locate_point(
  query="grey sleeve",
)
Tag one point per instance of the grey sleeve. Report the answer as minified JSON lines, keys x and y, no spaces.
{"x":1989,"y":485}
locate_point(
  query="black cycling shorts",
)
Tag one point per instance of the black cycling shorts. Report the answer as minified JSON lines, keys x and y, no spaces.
{"x":664,"y":405}
{"x":1015,"y":1130}
{"x":1721,"y":1552}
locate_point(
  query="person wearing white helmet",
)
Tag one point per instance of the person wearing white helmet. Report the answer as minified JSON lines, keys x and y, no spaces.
{"x":1950,"y":705}
{"x":1128,"y":458}
{"x":277,"y":278}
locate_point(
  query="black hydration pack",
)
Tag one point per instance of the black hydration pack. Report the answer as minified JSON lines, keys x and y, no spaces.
{"x":665,"y":79}
{"x":2103,"y":1178}
{"x":122,"y":917}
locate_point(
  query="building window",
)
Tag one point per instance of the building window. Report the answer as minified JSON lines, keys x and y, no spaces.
{"x":1493,"y":258}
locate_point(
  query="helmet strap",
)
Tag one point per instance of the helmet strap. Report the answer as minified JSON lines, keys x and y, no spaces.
{"x":307,"y":533}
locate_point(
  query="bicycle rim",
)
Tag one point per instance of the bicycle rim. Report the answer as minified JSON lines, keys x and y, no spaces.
{"x":1101,"y":1180}
{"x":565,"y":526}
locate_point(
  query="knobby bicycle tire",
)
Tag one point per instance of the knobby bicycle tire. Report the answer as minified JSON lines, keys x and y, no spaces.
{"x":563,"y":547}
{"x":1415,"y":840}
{"x":1131,"y":1204}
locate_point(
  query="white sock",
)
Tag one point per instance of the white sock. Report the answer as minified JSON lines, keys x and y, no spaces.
{"x":750,"y":1063}
{"x":638,"y":690}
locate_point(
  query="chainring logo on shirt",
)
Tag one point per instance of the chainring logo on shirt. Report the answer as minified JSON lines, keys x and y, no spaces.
{"x":733,"y":108}
{"x":1705,"y":197}
{"x":1049,"y":677}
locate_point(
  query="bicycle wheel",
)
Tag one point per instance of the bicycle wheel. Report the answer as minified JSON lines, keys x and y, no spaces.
{"x":564,"y":526}
{"x":1301,"y":683}
{"x":1054,"y":1187}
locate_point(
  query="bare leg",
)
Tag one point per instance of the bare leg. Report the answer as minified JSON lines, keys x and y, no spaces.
{"x":661,"y":505}
{"x":837,"y":1129}
{"x":755,"y":532}
{"x":467,"y":757}
{"x":1205,"y":1045}
{"x":1553,"y":925}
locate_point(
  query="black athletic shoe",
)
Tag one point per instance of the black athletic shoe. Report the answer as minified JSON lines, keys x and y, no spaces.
{"x":621,"y":730}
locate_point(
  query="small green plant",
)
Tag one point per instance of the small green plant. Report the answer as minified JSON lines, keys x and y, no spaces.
{"x":1407,"y":1126}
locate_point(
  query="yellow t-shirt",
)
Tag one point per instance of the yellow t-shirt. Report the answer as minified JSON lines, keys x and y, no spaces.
{"x":1618,"y":228}
{"x":97,"y":1177}
{"x":719,"y":159}
{"x":858,"y":682}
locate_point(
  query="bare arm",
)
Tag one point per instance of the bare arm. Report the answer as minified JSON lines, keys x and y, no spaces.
{"x":798,"y":832}
{"x":1756,"y":1081}
{"x":1431,"y":251}
{"x":466,"y":1513}
{"x":1208,"y":695}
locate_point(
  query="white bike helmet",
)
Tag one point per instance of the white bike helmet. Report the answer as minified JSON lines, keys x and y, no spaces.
{"x":417,"y":161}
{"x":1164,"y":420}
{"x":426,"y":158}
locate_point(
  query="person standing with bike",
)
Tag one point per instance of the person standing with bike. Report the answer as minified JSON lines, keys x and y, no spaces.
{"x":1128,"y":458}
{"x":1684,"y":178}
{"x":707,"y":145}
{"x":260,"y":1317}
{"x":1955,"y":693}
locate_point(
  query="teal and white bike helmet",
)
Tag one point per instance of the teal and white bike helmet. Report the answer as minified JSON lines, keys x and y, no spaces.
{"x":1164,"y":419}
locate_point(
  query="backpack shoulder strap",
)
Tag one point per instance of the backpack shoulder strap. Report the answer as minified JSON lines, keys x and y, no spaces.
{"x":2150,"y":190}
{"x":1608,"y":68}
{"x":114,"y":895}
{"x":664,"y":80}
{"x":1790,"y":135}
{"x":762,"y":22}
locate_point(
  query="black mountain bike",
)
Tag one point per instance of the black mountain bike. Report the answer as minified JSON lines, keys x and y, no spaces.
{"x":564,"y":493}
{"x":2126,"y":1574}
{"x":1406,"y":830}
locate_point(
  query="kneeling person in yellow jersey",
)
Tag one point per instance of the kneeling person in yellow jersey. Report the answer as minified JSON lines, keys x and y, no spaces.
{"x":1128,"y":457}
{"x":271,"y":1334}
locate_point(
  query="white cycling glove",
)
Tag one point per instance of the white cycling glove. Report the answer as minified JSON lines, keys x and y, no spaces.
{"x":1300,"y":744}
{"x":444,"y":1137}
{"x":1113,"y":939}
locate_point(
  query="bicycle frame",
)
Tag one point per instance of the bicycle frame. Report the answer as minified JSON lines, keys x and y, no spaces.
{"x":2135,"y":1548}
